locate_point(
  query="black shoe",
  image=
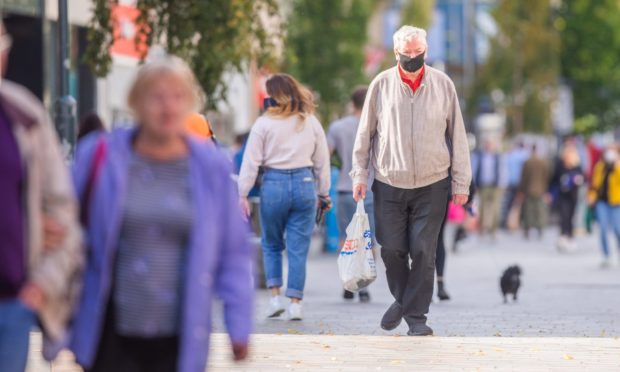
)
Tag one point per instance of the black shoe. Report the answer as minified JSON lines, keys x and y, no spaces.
{"x":348,"y":295}
{"x":420,"y":329}
{"x":364,"y":296}
{"x":392,"y":317}
{"x":441,"y":292}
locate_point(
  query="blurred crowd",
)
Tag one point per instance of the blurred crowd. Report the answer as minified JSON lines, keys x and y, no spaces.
{"x":527,"y":188}
{"x":120,"y":257}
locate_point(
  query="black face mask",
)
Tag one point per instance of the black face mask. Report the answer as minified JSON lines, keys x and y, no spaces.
{"x":410,"y":64}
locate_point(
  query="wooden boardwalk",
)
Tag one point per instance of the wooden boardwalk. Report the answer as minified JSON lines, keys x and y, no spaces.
{"x":294,"y":352}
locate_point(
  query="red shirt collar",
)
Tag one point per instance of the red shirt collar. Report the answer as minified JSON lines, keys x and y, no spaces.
{"x":414,"y":85}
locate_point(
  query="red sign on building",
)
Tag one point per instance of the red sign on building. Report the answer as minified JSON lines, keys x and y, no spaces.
{"x":127,"y":40}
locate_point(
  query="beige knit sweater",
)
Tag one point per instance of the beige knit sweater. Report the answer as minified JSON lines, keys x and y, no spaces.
{"x":286,"y":143}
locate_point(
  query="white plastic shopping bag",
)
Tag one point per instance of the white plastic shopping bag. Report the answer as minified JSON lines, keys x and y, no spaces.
{"x":356,"y":262}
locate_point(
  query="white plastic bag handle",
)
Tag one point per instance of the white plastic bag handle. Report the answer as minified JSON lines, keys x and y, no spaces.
{"x":360,"y":207}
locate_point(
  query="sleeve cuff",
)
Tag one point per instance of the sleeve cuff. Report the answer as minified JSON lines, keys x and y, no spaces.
{"x":359,"y":177}
{"x":460,"y":189}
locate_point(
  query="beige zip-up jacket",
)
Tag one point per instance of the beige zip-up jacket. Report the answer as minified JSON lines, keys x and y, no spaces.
{"x":412,"y":139}
{"x":48,"y":190}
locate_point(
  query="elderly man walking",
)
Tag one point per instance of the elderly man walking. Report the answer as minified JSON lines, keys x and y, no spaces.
{"x":412,"y":130}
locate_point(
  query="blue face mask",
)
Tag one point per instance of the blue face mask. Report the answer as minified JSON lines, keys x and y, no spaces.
{"x":269,"y":102}
{"x":411,"y":64}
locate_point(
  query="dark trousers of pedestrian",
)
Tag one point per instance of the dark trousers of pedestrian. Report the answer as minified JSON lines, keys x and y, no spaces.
{"x":440,"y":262}
{"x":509,"y":199}
{"x":408,"y":223}
{"x":566,"y":208}
{"x":534,"y":212}
{"x":490,"y":209}
{"x":440,"y":259}
{"x":134,"y":354}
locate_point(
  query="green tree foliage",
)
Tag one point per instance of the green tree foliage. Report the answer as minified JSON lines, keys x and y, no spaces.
{"x":213,"y":36}
{"x":325,"y":49}
{"x":418,"y":13}
{"x":590,"y":55}
{"x":523,"y":64}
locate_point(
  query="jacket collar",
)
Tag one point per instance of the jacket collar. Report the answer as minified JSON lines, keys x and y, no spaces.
{"x":121,"y":141}
{"x":15,"y":104}
{"x":425,"y":77}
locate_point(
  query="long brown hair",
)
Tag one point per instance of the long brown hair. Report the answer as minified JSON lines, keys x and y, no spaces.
{"x":291,"y":97}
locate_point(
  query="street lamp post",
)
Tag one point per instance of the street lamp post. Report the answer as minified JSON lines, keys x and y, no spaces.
{"x":66,"y":104}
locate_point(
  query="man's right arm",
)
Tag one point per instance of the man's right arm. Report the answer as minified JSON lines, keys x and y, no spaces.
{"x":363,"y":140}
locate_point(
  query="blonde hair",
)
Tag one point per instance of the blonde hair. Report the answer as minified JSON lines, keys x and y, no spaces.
{"x":291,"y":97}
{"x":165,"y":66}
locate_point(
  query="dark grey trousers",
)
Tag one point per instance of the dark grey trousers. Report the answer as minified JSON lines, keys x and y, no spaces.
{"x":408,"y":223}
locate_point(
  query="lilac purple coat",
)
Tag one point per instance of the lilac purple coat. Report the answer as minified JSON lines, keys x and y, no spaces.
{"x":219,"y":256}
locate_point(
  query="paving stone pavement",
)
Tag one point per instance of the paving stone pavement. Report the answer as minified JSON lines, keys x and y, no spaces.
{"x":561,"y":295}
{"x":567,"y":318}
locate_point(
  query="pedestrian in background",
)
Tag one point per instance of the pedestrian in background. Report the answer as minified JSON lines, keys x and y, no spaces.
{"x":567,"y":180}
{"x":164,"y":234}
{"x":40,"y":255}
{"x":533,"y":191}
{"x":412,"y":131}
{"x":515,"y":159}
{"x":340,"y":138}
{"x":605,"y":196}
{"x":289,"y":144}
{"x":90,"y":123}
{"x":254,"y":199}
{"x":491,"y":179}
{"x":594,"y":156}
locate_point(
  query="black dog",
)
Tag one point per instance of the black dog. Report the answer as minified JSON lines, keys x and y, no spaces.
{"x":510,"y":282}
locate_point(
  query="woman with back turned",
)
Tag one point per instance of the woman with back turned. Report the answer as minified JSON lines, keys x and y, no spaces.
{"x":289,"y":144}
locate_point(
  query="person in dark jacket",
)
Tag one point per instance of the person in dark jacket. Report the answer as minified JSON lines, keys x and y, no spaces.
{"x":534,"y":190}
{"x":567,"y":179}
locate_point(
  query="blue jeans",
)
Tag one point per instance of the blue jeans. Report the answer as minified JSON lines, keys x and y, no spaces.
{"x":608,"y":217}
{"x":288,"y":204}
{"x":345,"y":209}
{"x":16,"y":320}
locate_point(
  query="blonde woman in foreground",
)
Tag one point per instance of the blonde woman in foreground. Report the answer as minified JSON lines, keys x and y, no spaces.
{"x":164,"y":237}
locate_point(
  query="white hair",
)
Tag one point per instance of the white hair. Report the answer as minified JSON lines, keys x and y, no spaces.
{"x":407,"y":33}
